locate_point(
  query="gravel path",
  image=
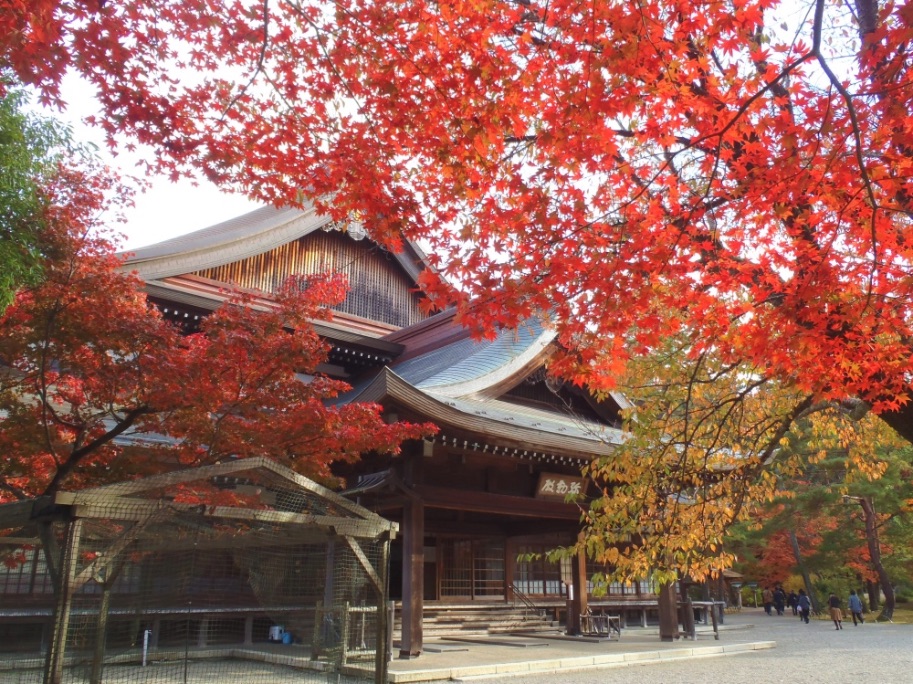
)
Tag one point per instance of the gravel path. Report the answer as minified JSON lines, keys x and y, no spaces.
{"x":805,"y":654}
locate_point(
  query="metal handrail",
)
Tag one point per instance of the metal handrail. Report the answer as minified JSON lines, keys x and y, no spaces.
{"x":525,"y":600}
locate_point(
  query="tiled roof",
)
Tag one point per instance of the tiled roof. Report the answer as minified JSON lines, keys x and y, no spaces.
{"x":468,"y":366}
{"x":253,"y":233}
{"x":500,"y":420}
{"x":234,"y":229}
{"x":534,"y":419}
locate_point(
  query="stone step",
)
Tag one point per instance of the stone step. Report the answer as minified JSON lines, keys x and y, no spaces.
{"x":461,"y":620}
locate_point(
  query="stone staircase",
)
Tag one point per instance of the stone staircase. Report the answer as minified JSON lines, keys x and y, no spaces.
{"x":474,"y":620}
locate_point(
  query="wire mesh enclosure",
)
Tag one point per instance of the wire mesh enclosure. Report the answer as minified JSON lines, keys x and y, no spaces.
{"x":240,"y":571}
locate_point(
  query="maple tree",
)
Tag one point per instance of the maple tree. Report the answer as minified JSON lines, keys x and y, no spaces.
{"x":95,"y":386}
{"x":745,"y":162}
{"x":703,"y":452}
{"x":870,"y":500}
{"x":711,"y":445}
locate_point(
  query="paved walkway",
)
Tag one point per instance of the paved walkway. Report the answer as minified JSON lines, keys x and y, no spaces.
{"x":469,"y":660}
{"x":759,"y":650}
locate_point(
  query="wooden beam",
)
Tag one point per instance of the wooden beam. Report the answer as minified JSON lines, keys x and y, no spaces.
{"x":365,"y":564}
{"x":16,"y":514}
{"x":242,"y":540}
{"x":112,"y":553}
{"x":116,"y":491}
{"x":484,"y":502}
{"x":20,"y":541}
{"x":140,"y":509}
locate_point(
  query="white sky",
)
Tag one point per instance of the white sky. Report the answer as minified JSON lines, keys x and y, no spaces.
{"x":170,"y":209}
{"x":166,"y":209}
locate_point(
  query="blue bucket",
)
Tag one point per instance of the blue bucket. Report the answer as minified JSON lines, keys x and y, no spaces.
{"x":287,"y":638}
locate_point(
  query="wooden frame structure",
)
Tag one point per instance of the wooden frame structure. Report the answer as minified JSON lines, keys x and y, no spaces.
{"x":89,"y":536}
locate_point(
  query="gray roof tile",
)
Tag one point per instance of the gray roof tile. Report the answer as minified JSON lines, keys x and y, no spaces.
{"x":467,"y":359}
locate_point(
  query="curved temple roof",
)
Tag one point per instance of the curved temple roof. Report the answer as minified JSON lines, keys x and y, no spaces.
{"x":441,"y":371}
{"x":253,"y":233}
{"x":458,"y":385}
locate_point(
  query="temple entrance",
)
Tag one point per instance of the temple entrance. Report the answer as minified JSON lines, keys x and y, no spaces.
{"x":472,"y":569}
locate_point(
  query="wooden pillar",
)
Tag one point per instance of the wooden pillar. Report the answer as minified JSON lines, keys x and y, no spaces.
{"x":580,"y":578}
{"x":413,"y":533}
{"x":67,"y":584}
{"x":384,"y":623}
{"x":101,"y":629}
{"x":668,"y":612}
{"x":510,"y":568}
{"x":579,"y":601}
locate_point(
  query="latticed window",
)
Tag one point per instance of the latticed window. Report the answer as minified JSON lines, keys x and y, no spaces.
{"x":472,"y":568}
{"x":535,"y":575}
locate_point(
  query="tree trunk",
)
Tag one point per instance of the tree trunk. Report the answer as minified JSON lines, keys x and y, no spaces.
{"x":901,"y":419}
{"x":668,"y":612}
{"x":874,"y":595}
{"x":871,"y":537}
{"x":806,"y":578}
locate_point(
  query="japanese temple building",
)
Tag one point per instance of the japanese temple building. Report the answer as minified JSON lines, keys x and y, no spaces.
{"x":476,"y":502}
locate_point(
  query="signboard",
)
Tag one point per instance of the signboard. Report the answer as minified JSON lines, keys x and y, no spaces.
{"x":557,"y":487}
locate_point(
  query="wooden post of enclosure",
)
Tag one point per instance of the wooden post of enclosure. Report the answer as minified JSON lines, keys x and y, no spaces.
{"x":346,"y":628}
{"x":53,"y":673}
{"x":101,"y":628}
{"x":668,"y":612}
{"x":317,"y":640}
{"x":384,"y":626}
{"x":413,"y":578}
{"x":326,"y":626}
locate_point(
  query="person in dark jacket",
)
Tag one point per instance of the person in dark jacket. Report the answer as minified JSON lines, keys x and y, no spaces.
{"x":804,"y":604}
{"x":855,"y":606}
{"x":779,"y":599}
{"x":793,"y":602}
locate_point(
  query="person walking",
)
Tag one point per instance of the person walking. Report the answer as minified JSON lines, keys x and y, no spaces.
{"x":793,"y":601}
{"x":836,"y":613}
{"x":768,"y":597}
{"x":855,"y":606}
{"x":779,"y":599}
{"x":804,"y":605}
